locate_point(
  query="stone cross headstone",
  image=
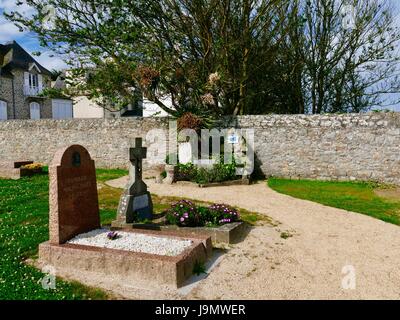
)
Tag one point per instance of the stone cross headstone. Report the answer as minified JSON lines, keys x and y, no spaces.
{"x":74,"y":206}
{"x":135,"y":202}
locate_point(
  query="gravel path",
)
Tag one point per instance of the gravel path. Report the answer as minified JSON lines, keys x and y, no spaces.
{"x":308,"y":264}
{"x":132,"y":242}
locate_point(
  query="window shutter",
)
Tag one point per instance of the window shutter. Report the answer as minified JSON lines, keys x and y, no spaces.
{"x":40,"y":82}
{"x":26,"y":79}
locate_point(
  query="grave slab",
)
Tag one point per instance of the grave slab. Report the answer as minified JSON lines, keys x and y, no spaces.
{"x":171,"y":271}
{"x":229,"y":233}
{"x":12,"y":169}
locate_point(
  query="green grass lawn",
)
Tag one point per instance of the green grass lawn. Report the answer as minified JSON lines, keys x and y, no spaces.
{"x":353,"y":196}
{"x":24,"y":217}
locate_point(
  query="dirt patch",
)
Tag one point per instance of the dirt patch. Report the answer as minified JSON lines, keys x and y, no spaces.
{"x":389,"y":193}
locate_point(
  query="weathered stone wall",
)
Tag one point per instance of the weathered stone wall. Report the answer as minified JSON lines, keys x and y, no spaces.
{"x":344,"y":147}
{"x":325,"y":147}
{"x":107,"y":141}
{"x":6,"y":94}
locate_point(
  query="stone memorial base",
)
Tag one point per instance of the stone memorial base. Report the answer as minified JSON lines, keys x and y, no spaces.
{"x":133,"y":207}
{"x":132,"y":266}
{"x":13,"y":170}
{"x":226,"y":234}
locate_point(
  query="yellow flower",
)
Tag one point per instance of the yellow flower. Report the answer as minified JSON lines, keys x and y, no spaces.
{"x":32,"y":166}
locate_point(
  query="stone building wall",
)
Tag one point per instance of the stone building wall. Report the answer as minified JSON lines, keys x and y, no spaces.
{"x":6,"y":93}
{"x":344,"y":147}
{"x":22,"y":107}
{"x":22,"y":102}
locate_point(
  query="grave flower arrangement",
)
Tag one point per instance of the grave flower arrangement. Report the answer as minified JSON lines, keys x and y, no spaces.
{"x":32,"y":168}
{"x":186,"y":214}
{"x":112,"y":235}
{"x":183,"y":213}
{"x":219,"y":214}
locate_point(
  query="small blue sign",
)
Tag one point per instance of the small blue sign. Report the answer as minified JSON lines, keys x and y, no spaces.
{"x":233,"y":139}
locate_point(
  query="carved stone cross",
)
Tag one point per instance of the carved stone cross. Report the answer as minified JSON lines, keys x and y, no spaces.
{"x":136,"y":156}
{"x":135,"y":203}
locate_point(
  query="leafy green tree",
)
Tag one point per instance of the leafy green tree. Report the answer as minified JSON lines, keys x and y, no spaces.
{"x":224,"y":57}
{"x":202,"y":53}
{"x":343,"y":55}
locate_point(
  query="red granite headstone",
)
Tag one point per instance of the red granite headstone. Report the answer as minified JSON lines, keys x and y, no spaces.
{"x":74,"y":206}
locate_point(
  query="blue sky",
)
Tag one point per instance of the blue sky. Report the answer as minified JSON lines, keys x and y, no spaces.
{"x":27,"y":40}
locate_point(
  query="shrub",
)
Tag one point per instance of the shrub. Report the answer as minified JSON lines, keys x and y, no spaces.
{"x":183,"y":213}
{"x":217,"y":173}
{"x":203,"y":175}
{"x":224,"y":172}
{"x":186,"y":172}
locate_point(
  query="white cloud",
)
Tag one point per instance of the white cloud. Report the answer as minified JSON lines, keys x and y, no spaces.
{"x":8,"y":31}
{"x":11,"y":5}
{"x":51,"y":62}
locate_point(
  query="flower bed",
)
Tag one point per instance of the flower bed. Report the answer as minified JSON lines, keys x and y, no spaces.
{"x":30,"y":169}
{"x":220,"y":222}
{"x":185,"y":213}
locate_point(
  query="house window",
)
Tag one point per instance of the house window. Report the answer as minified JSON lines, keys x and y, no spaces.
{"x":33,"y":80}
{"x":3,"y":110}
{"x":35,"y":110}
{"x":33,"y":84}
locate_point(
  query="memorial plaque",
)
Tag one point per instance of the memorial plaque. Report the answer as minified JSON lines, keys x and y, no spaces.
{"x":140,"y":202}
